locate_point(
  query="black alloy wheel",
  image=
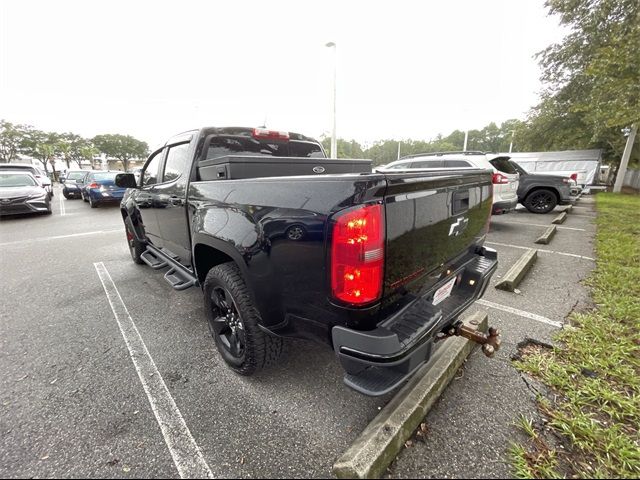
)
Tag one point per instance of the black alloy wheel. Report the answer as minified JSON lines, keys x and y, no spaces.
{"x":227,"y":326}
{"x":541,"y":201}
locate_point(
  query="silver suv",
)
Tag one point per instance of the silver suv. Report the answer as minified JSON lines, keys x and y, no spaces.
{"x":505,"y":176}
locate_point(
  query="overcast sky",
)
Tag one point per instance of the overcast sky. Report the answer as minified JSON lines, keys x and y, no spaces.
{"x":151,"y":69}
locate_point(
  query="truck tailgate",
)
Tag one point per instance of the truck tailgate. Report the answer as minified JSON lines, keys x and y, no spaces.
{"x":431,"y":219}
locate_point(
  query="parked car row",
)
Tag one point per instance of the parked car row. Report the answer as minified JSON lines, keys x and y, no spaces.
{"x":96,"y":187}
{"x":539,"y":193}
{"x":511,"y":183}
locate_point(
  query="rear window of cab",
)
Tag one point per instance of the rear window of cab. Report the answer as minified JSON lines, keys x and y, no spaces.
{"x":225,"y":145}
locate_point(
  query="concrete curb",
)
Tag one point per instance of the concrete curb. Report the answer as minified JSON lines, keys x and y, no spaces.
{"x":568,"y":209}
{"x":546,"y":237}
{"x":516,"y":273}
{"x":377,"y":446}
{"x":560,"y":218}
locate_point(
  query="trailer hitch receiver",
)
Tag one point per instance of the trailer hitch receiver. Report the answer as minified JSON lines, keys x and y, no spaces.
{"x":490,"y":341}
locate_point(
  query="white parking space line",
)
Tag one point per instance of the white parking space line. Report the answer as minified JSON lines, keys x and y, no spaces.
{"x":184,"y":450}
{"x":521,"y":313}
{"x":542,"y":250}
{"x":57,"y":237}
{"x":541,"y":225}
{"x":62,"y":209}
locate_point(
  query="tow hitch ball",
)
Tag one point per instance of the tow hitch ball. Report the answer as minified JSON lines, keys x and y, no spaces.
{"x":490,"y":341}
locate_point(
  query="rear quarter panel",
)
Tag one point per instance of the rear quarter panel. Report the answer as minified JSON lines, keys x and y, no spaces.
{"x":249,"y":221}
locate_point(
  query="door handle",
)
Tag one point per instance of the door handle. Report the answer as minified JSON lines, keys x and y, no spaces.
{"x":175,"y":200}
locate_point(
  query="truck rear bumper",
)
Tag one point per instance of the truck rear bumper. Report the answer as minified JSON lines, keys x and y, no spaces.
{"x":379,"y":360}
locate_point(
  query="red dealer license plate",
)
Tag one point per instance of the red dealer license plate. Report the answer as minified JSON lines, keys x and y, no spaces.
{"x":444,"y":291}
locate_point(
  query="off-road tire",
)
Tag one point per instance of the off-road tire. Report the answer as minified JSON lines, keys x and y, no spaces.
{"x":260,"y":349}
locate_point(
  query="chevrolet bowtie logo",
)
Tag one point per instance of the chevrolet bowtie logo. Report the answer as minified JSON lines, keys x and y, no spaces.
{"x":459,"y":226}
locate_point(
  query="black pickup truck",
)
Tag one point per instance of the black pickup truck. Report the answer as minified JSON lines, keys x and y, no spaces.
{"x":285,"y":242}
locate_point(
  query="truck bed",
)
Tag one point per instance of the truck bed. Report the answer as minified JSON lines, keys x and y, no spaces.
{"x":257,"y":214}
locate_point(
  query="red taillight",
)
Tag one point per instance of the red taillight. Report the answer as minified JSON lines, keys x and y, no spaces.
{"x":357,"y":255}
{"x":498,"y":178}
{"x":93,"y":185}
{"x":262,"y":134}
{"x":574,"y":177}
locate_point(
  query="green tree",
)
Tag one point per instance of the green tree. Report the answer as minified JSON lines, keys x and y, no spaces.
{"x":510,"y":131}
{"x":44,"y":146}
{"x":382,"y":152}
{"x":86,"y":152}
{"x":346,"y":148}
{"x":77,"y":149}
{"x":12,"y":139}
{"x":122,"y":147}
{"x":455,"y":138}
{"x":592,"y":76}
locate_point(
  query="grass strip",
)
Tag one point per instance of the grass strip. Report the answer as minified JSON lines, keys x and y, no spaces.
{"x":593,"y":374}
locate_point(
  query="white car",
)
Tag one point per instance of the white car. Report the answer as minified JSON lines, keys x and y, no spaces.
{"x":39,"y":175}
{"x":505,"y":176}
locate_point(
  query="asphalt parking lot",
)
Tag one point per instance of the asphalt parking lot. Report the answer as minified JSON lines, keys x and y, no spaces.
{"x":73,"y":404}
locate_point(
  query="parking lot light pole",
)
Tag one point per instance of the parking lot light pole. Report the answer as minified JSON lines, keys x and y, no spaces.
{"x":334,"y":140}
{"x":617,"y":187}
{"x":513,"y":134}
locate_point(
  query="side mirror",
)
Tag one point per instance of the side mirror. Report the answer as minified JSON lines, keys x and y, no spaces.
{"x":126,"y":180}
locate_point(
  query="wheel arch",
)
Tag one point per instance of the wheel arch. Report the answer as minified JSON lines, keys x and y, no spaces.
{"x":209,"y":252}
{"x":551,"y":189}
{"x":133,"y":217}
